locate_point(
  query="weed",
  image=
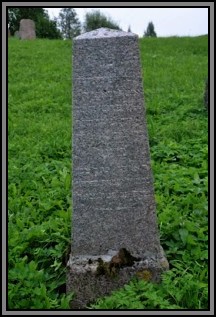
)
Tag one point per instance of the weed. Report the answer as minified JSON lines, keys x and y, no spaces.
{"x":39,"y":173}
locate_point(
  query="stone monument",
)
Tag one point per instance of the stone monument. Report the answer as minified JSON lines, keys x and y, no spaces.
{"x":114,"y":224}
{"x":27,"y":29}
{"x":17,"y":35}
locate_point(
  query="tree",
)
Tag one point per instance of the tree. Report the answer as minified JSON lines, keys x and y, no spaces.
{"x":96,"y":19}
{"x":69,"y":23}
{"x":129,"y":29}
{"x":150,"y":32}
{"x":13,"y":20}
{"x":45,"y":28}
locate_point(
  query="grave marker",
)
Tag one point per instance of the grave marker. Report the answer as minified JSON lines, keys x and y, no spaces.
{"x":114,"y":225}
{"x":27,"y":29}
{"x":17,"y":35}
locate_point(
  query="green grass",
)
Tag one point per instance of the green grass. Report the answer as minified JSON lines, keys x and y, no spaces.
{"x":39,"y":173}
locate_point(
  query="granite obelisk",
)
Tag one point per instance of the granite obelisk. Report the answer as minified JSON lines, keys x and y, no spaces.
{"x":114,"y":224}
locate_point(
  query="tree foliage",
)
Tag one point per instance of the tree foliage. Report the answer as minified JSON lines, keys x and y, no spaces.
{"x":45,"y":28}
{"x":96,"y":19}
{"x":150,"y":32}
{"x":129,"y":29}
{"x":69,"y":23}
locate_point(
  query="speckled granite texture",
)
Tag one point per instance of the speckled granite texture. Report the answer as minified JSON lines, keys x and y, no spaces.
{"x":113,"y":194}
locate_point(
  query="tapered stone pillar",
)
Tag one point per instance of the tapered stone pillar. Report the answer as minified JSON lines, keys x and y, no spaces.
{"x":114,"y":225}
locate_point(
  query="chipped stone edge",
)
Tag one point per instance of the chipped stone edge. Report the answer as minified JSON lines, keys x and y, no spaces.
{"x":86,"y":263}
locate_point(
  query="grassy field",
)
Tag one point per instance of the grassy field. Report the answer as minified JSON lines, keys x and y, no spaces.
{"x":39,"y":173}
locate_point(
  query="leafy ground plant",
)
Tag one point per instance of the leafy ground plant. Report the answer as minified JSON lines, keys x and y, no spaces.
{"x":39,"y":173}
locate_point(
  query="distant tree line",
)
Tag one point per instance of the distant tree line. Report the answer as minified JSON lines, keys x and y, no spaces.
{"x":66,"y":25}
{"x":96,"y":19}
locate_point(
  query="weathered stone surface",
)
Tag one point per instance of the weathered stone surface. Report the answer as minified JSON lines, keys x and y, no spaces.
{"x":96,"y":276}
{"x":27,"y":29}
{"x":113,"y":194}
{"x":17,"y":35}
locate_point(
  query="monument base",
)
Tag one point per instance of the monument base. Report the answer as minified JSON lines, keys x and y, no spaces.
{"x":92,"y":277}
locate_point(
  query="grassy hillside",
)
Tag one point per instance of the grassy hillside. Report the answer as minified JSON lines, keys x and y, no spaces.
{"x":39,"y":173}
